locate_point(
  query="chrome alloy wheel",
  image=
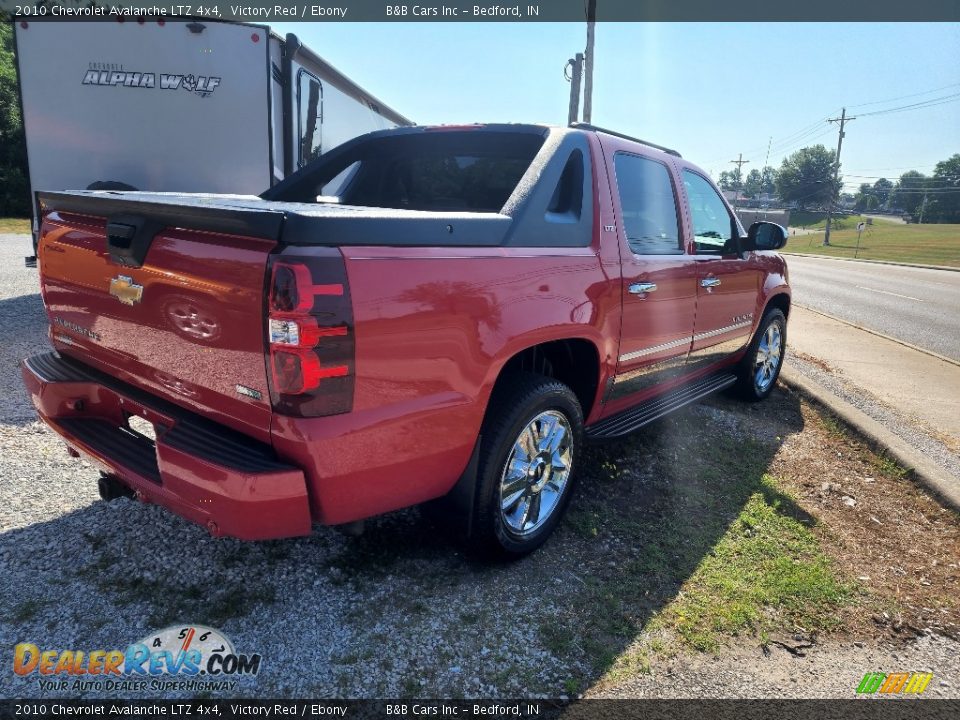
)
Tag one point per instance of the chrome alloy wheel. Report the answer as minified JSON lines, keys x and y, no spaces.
{"x":769,"y":356}
{"x":536,"y":472}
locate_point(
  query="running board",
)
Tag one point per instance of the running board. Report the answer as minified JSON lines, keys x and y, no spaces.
{"x":636,"y":417}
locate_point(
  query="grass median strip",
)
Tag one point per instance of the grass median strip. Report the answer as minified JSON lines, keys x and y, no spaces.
{"x":921,"y":244}
{"x":15,"y":225}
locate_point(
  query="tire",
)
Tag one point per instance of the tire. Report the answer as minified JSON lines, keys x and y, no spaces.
{"x":525,"y":403}
{"x":111,"y":488}
{"x":760,"y":367}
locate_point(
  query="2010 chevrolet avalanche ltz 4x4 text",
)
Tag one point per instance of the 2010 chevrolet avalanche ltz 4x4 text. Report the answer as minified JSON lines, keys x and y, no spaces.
{"x":422,"y":314}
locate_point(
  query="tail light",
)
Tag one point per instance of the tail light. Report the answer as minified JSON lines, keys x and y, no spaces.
{"x":310,"y":334}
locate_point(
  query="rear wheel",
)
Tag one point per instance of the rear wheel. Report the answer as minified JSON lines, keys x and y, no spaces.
{"x":531,"y":438}
{"x":761,"y":365}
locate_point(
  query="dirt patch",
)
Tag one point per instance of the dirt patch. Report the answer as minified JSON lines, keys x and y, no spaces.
{"x":826,"y":367}
{"x":899,"y":543}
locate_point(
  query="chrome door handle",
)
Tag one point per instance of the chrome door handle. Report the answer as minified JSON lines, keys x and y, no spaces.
{"x":642,"y":288}
{"x":710,"y":282}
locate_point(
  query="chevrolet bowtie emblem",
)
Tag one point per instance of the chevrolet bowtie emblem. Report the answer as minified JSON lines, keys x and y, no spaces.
{"x":124,"y":289}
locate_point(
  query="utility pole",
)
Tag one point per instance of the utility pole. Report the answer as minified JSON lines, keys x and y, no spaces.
{"x":923,"y":207}
{"x":843,"y":119}
{"x":739,"y":162}
{"x":576,"y":70}
{"x":588,"y":58}
{"x":766,"y":164}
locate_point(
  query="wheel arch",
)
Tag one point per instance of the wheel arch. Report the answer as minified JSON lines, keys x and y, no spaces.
{"x":573,"y":361}
{"x":780,"y":301}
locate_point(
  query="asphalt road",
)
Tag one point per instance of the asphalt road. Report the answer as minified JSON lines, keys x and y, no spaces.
{"x":914,"y":305}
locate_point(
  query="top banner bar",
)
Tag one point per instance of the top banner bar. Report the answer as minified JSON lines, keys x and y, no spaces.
{"x":486,"y":11}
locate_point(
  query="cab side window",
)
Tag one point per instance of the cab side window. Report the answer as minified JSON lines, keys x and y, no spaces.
{"x":713,"y":227}
{"x":648,"y":205}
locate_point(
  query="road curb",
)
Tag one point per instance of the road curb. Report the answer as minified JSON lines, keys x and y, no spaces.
{"x":872,"y":262}
{"x":934,"y":479}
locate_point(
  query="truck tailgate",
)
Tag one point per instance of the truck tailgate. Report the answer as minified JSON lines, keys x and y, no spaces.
{"x":174,"y":305}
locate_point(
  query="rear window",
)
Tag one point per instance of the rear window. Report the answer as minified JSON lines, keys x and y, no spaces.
{"x":450,"y":171}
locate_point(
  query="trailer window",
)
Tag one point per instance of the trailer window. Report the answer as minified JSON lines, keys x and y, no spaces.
{"x":310,"y":103}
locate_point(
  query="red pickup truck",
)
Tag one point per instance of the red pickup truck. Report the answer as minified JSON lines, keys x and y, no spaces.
{"x":423,"y":314}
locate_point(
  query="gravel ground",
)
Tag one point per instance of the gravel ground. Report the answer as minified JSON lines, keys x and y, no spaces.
{"x":23,"y":325}
{"x":397,"y":612}
{"x":907,"y":429}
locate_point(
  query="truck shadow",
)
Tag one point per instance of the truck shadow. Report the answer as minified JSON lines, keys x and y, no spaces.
{"x":400,"y":611}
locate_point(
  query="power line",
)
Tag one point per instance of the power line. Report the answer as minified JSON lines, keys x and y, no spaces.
{"x":786,"y":139}
{"x":903,"y":168}
{"x":921,"y":191}
{"x":805,"y":143}
{"x":904,"y":97}
{"x":800,"y":140}
{"x":886,"y":177}
{"x":916,"y":106}
{"x":804,"y":136}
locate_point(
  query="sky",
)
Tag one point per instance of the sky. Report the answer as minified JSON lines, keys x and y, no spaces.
{"x":709,"y":90}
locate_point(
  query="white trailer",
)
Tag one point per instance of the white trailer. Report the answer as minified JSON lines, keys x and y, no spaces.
{"x":180,"y":106}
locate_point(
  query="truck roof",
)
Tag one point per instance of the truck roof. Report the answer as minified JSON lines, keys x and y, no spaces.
{"x":594,"y":128}
{"x":540,"y":127}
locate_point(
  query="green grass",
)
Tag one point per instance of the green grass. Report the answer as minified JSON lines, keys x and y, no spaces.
{"x":922,"y":244}
{"x":723,"y":551}
{"x":818,"y":220}
{"x":889,"y":467}
{"x":766,"y":573}
{"x":15,"y":225}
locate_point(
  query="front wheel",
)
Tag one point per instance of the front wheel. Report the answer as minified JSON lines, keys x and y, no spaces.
{"x":761,"y":365}
{"x":531,"y":440}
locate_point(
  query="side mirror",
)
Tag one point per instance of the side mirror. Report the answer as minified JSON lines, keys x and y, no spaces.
{"x":765,"y":236}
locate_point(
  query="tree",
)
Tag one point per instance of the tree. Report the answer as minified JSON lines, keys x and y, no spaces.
{"x":14,"y":189}
{"x":806,"y":177}
{"x":753,"y":185}
{"x":768,"y":180}
{"x":882,"y":190}
{"x":943,"y":205}
{"x":908,"y":195}
{"x":729,"y":180}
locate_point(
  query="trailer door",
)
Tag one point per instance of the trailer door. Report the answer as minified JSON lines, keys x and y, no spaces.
{"x":163,"y":106}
